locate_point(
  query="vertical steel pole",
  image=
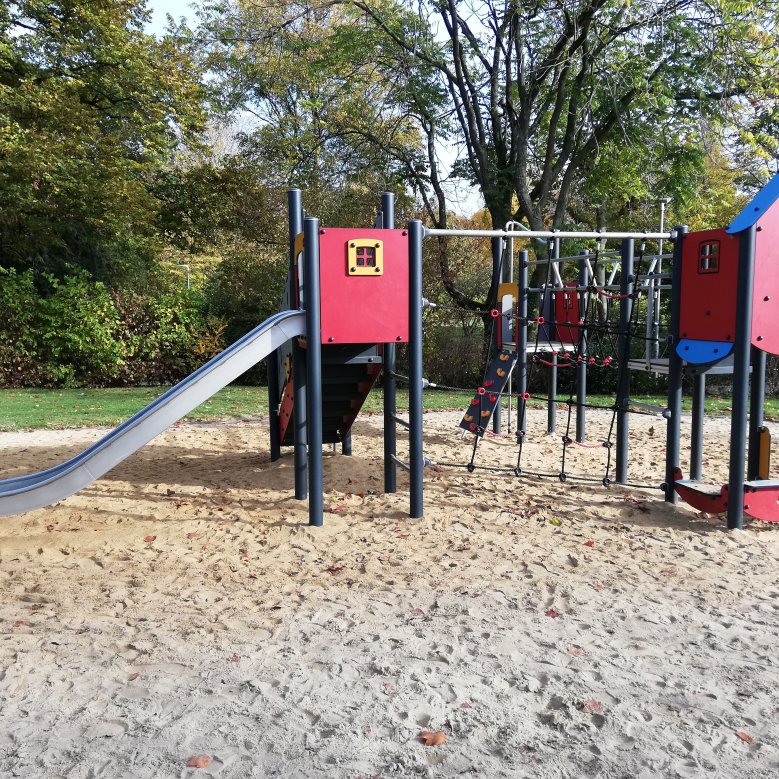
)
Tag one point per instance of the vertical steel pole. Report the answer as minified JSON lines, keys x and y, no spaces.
{"x":581,"y":368}
{"x":522,"y":330}
{"x":272,"y":366}
{"x":696,"y":433}
{"x":756,"y":411}
{"x":346,"y":444}
{"x":551,"y":403}
{"x":300,"y":420}
{"x":497,"y":256}
{"x":741,"y":354}
{"x":299,"y":417}
{"x":551,"y":408}
{"x":626,"y":282}
{"x":390,"y":383}
{"x":656,"y":291}
{"x":674,"y":423}
{"x":314,"y":362}
{"x":416,"y":457}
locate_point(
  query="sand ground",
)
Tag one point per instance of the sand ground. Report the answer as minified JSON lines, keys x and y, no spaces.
{"x":181,"y":607}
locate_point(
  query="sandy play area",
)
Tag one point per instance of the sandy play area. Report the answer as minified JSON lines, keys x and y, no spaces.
{"x":181,"y":611}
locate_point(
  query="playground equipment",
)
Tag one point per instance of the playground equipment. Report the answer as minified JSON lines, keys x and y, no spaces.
{"x":353,"y":294}
{"x":26,"y":493}
{"x":727,"y":303}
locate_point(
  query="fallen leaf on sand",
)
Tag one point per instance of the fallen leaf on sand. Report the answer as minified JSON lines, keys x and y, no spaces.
{"x":433,"y":739}
{"x":198,"y":761}
{"x":555,"y":521}
{"x":552,"y":613}
{"x":593,"y":707}
{"x":20,"y":622}
{"x":745,"y":737}
{"x":576,"y":651}
{"x":334,"y":569}
{"x":149,"y":539}
{"x":404,"y":535}
{"x":599,"y":587}
{"x":339,"y":507}
{"x":589,"y":543}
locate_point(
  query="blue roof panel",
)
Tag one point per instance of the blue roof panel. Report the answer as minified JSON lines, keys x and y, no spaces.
{"x":758,"y":206}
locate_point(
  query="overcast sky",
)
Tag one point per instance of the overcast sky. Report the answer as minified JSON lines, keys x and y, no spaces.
{"x":160,"y":9}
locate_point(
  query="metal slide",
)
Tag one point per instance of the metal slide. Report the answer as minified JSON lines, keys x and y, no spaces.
{"x":25,"y":493}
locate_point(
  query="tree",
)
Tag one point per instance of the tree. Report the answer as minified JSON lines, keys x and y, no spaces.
{"x":552,"y":105}
{"x":324,"y":117}
{"x":90,"y":107}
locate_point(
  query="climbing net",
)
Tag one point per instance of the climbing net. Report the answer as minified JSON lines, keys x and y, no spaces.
{"x":607,"y":328}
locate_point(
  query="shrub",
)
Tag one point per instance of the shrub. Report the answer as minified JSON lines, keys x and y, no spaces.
{"x":244,"y":290}
{"x":80,"y":334}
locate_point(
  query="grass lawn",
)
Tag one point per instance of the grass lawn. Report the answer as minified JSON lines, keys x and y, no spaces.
{"x":29,"y":409}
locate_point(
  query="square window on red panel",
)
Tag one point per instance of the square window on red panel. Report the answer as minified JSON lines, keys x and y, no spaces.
{"x":708,"y":257}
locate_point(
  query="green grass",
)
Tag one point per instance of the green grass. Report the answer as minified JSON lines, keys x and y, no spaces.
{"x":31,"y":409}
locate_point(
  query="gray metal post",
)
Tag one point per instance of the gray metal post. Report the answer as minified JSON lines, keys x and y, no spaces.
{"x":299,"y":416}
{"x":416,"y":457}
{"x":497,"y":257}
{"x":521,"y":370}
{"x":756,"y":410}
{"x":741,"y":354}
{"x":551,"y":404}
{"x":673,"y":426}
{"x":346,"y":444}
{"x":623,"y":386}
{"x":581,"y":368}
{"x":300,"y":420}
{"x":272,"y":365}
{"x":696,"y":434}
{"x":390,"y":384}
{"x":551,"y":408}
{"x":314,"y":365}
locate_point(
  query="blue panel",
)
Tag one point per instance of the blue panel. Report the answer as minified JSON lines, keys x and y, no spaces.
{"x":703,"y":352}
{"x":759,"y":204}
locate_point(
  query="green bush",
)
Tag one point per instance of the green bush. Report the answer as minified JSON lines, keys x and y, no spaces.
{"x":244,"y":290}
{"x":78,"y":333}
{"x":165,"y":337}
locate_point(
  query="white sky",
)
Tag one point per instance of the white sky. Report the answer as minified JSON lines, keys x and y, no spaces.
{"x":160,"y":9}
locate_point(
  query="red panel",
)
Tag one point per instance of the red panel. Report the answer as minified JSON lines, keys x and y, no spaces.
{"x":287,"y":405}
{"x":710,"y":502}
{"x":566,"y":312}
{"x":363,"y":309}
{"x":765,"y":312}
{"x":709,"y":286}
{"x":762,"y":503}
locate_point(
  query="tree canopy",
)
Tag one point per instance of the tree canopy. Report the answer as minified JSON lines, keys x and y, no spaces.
{"x":90,"y":108}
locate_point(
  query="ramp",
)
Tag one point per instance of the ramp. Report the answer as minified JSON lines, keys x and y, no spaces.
{"x":25,"y":493}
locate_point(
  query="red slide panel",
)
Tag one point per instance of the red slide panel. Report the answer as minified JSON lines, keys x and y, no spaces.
{"x":364,"y":284}
{"x":765,"y":301}
{"x":709,"y":281}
